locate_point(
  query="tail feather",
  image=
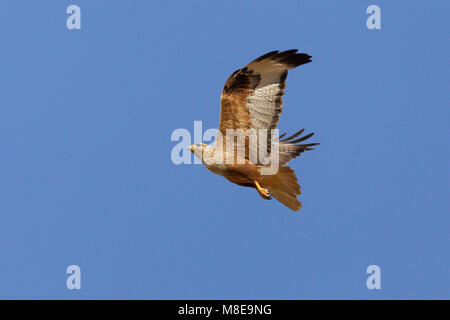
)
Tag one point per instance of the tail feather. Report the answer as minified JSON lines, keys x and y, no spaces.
{"x":284,"y":187}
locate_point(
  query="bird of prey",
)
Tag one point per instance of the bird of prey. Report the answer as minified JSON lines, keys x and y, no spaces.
{"x":251,"y":103}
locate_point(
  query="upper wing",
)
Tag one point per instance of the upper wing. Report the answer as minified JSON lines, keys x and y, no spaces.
{"x":251,"y":97}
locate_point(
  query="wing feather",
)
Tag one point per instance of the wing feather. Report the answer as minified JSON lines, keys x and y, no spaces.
{"x":252,"y":96}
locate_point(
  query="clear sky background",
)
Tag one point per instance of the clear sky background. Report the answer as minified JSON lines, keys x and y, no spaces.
{"x":86,"y":176}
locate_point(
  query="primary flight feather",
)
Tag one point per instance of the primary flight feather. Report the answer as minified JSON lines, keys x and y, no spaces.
{"x":251,"y":105}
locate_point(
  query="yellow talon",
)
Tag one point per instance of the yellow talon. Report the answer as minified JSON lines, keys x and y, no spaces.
{"x":264,"y":193}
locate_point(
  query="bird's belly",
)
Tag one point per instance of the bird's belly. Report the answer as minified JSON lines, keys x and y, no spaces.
{"x":218,"y":168}
{"x":239,"y":174}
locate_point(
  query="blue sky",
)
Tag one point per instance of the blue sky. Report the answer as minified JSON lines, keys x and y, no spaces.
{"x":87,"y":179}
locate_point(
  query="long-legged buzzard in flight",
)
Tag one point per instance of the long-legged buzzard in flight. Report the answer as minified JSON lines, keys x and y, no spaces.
{"x":251,"y":105}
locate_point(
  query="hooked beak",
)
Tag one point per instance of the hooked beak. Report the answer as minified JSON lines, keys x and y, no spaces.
{"x":190,"y":148}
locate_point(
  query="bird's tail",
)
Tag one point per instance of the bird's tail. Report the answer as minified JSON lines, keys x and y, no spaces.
{"x":284,"y":187}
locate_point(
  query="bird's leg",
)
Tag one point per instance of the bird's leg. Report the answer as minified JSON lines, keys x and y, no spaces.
{"x":264,"y":193}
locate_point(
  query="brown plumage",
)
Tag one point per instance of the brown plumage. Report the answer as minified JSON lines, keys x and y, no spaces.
{"x":251,"y":104}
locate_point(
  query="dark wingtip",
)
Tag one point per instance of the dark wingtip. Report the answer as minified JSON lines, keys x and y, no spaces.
{"x":302,"y":147}
{"x":297,"y":59}
{"x":293,"y":136}
{"x":286,"y":53}
{"x":303,"y":138}
{"x":289,"y":57}
{"x":267,"y":55}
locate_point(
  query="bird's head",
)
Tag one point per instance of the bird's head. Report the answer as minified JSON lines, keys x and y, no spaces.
{"x":198,"y":149}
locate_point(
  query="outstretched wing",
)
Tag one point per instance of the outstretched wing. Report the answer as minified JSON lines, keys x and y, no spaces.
{"x":251,"y":97}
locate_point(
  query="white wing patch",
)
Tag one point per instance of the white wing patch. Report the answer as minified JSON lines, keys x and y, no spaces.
{"x":265,"y":106}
